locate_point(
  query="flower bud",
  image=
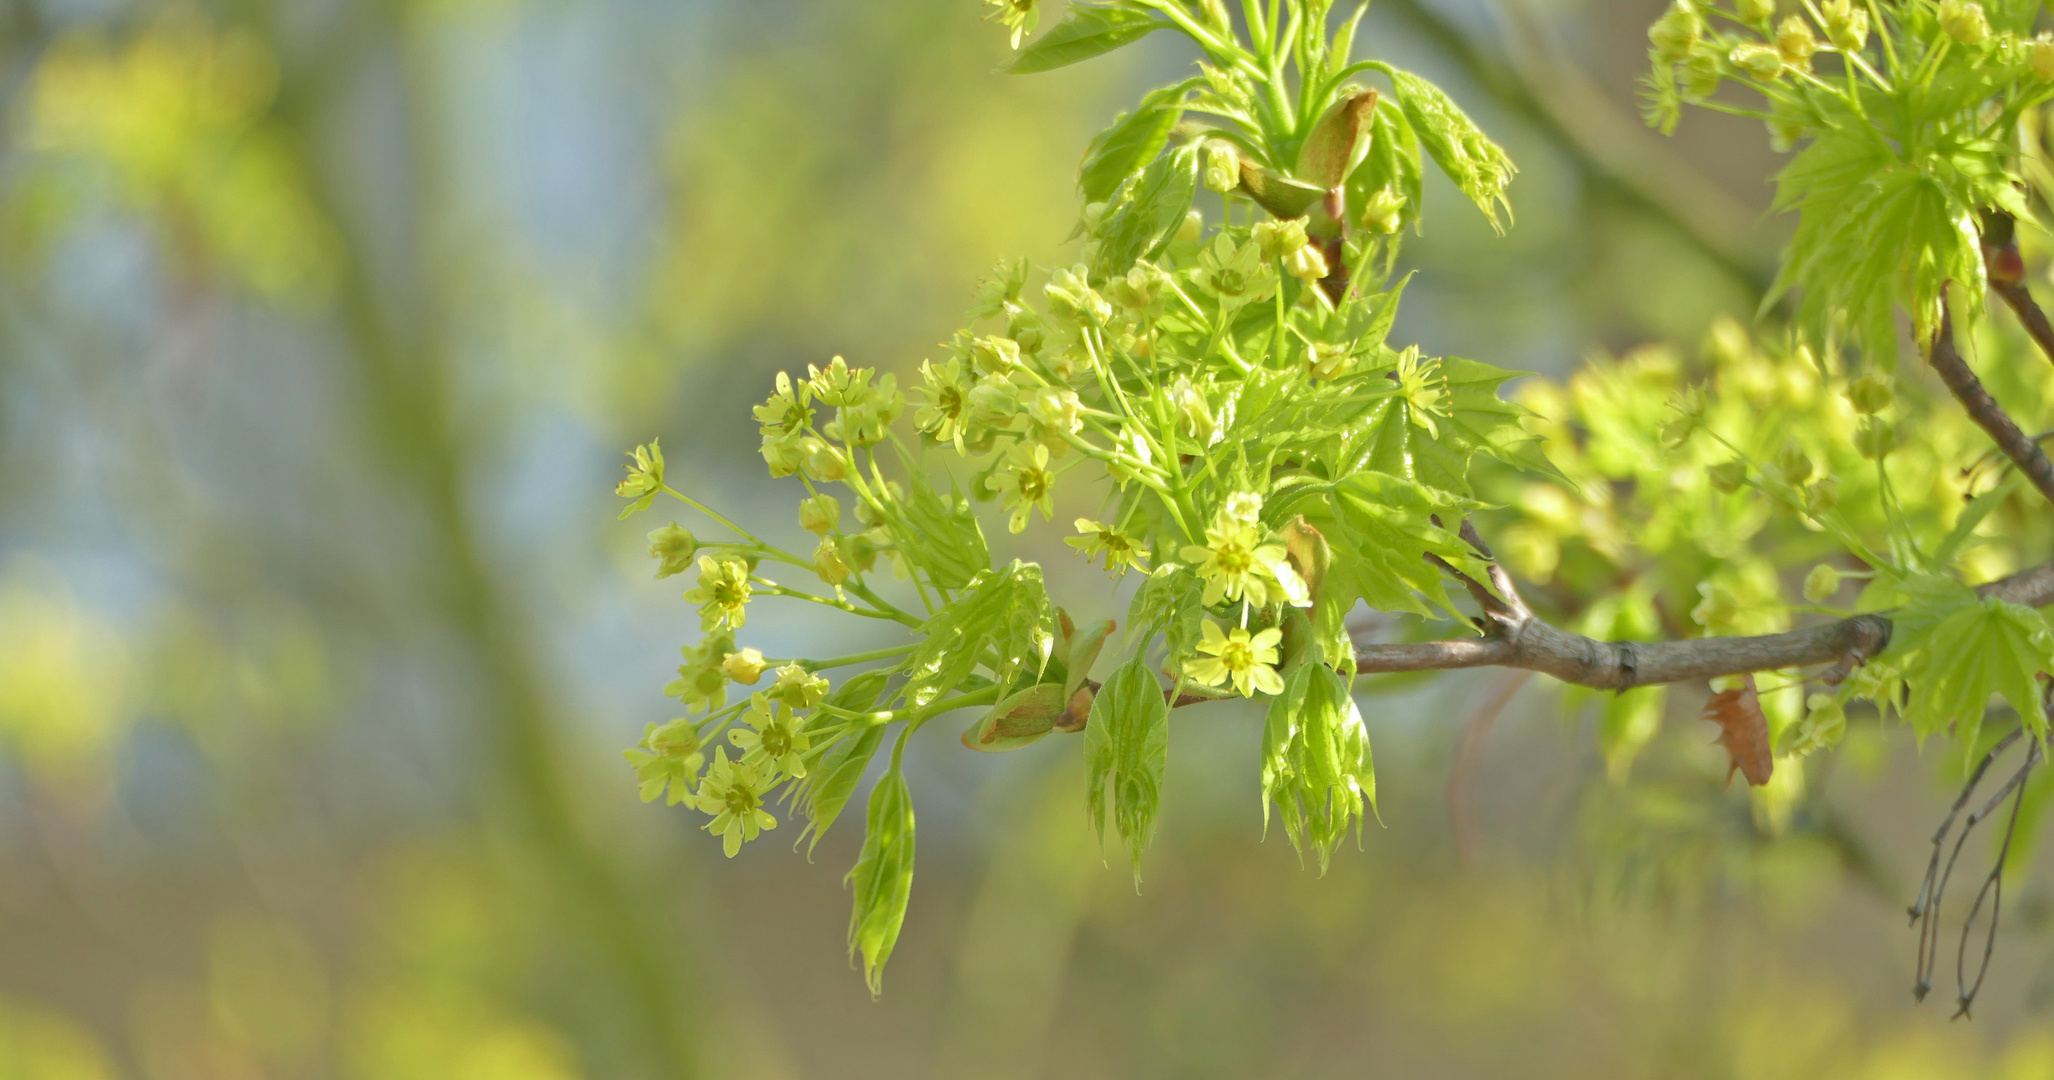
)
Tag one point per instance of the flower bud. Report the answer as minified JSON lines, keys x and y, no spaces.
{"x":1794,"y":463}
{"x":1306,"y":264}
{"x":783,"y":453}
{"x":1795,"y":43}
{"x":1222,"y":166}
{"x":995,"y":354}
{"x":1822,"y":496}
{"x":1870,"y":394}
{"x":1964,"y":21}
{"x":1701,"y":75}
{"x":2041,"y":51}
{"x":1195,"y":419}
{"x":1384,"y":214}
{"x":672,"y":547}
{"x":1139,"y":287}
{"x":1070,"y":296}
{"x":1277,"y":239}
{"x":1676,"y":32}
{"x":1847,"y":24}
{"x":994,"y":401}
{"x":820,"y":514}
{"x":1875,"y":439}
{"x":1728,"y":476}
{"x":1821,"y":583}
{"x":871,"y":516}
{"x":829,"y":563}
{"x":1057,"y":410}
{"x":823,"y":462}
{"x":861,"y":551}
{"x":1755,"y":11}
{"x":744,"y":667}
{"x":1758,"y":60}
{"x":1192,"y":228}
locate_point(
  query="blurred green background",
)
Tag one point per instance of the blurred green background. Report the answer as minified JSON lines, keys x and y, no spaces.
{"x":322,"y":326}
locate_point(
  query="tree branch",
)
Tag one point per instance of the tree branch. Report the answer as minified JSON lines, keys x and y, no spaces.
{"x":1946,"y":361}
{"x":2005,"y":270}
{"x":1515,"y":638}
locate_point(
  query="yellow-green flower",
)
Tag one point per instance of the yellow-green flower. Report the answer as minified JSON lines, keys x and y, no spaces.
{"x":668,"y":756}
{"x":798,"y":688}
{"x":672,"y":547}
{"x":948,"y":394}
{"x":1248,"y":662}
{"x":1028,"y":484}
{"x":774,"y":740}
{"x":787,"y":411}
{"x":723,"y":593}
{"x":1117,"y":547}
{"x":702,"y":678}
{"x":1236,"y":274}
{"x":1236,"y":565}
{"x":1018,"y":16}
{"x":732,"y":793}
{"x":644,"y":479}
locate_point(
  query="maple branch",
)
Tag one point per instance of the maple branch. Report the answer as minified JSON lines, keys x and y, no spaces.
{"x":1513,"y":637}
{"x":1946,"y":361}
{"x":2005,"y":269}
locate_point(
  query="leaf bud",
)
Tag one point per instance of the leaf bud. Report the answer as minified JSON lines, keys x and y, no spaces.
{"x":1795,"y":43}
{"x":1847,"y":24}
{"x":672,"y":547}
{"x":1676,"y":32}
{"x":2041,"y":51}
{"x":820,"y":514}
{"x":828,"y":562}
{"x":1793,"y":463}
{"x":1222,"y":166}
{"x":1755,"y":11}
{"x":1964,"y":21}
{"x":1821,"y":583}
{"x":1875,"y":439}
{"x":1870,"y":394}
{"x":744,"y":667}
{"x":1759,"y":60}
{"x":1728,"y":476}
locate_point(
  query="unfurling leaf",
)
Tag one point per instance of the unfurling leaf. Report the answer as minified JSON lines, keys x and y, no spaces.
{"x":883,"y":875}
{"x":1003,"y":617}
{"x":1316,"y":764}
{"x":1133,"y":140}
{"x":1478,"y":166}
{"x":939,"y":532}
{"x":1018,"y":720}
{"x":1743,"y":731}
{"x":1126,"y":745}
{"x":1145,"y":213}
{"x":1089,"y":30}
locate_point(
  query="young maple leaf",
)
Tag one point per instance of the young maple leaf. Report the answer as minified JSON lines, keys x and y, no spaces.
{"x":1744,"y":732}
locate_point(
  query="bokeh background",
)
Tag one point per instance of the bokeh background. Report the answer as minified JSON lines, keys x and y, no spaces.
{"x":322,"y":326}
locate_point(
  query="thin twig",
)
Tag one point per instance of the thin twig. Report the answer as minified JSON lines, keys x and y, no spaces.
{"x":1469,"y":758}
{"x":1946,"y":361}
{"x":1934,"y":884}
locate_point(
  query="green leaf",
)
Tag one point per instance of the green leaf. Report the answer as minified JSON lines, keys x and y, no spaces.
{"x":1002,"y":619}
{"x":883,"y":875}
{"x":1126,"y":746}
{"x":939,"y":533}
{"x":1981,"y":648}
{"x":1019,"y":720}
{"x":1089,"y":30}
{"x":1316,"y":765}
{"x":1478,"y":166}
{"x":1380,"y":533}
{"x":1083,"y":651}
{"x":832,"y":780}
{"x":1431,"y":436}
{"x":1169,"y":602}
{"x":1146,"y":212}
{"x":1133,"y":140}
